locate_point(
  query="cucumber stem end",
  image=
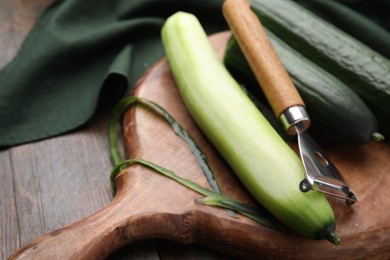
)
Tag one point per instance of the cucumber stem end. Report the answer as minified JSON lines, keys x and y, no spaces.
{"x":333,"y":238}
{"x":378,"y":137}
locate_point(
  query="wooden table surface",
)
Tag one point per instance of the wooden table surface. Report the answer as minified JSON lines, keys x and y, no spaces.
{"x":48,"y":184}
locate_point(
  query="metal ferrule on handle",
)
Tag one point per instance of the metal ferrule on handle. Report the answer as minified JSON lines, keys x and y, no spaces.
{"x":295,"y":120}
{"x":274,"y":80}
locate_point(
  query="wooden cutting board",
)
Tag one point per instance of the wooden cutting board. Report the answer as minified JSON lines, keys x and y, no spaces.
{"x":149,"y":205}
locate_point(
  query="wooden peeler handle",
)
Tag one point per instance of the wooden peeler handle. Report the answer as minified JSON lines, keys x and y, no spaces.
{"x":262,"y":58}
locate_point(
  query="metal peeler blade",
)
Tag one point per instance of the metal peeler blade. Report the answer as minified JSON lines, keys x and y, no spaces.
{"x":321,"y":174}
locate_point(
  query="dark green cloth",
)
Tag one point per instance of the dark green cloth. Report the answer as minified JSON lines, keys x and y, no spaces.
{"x":82,"y":54}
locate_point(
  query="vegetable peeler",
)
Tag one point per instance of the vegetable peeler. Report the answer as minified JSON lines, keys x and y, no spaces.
{"x":286,"y":103}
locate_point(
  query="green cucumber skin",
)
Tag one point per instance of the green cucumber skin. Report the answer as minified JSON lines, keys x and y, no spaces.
{"x":265,"y":164}
{"x":377,"y":11}
{"x":351,"y":22}
{"x":358,"y":66}
{"x":338,"y":114}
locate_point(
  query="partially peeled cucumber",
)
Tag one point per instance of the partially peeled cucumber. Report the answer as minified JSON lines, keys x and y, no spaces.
{"x":266,"y":165}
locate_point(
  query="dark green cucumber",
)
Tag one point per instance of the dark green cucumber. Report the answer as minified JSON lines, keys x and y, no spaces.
{"x":358,"y":66}
{"x":351,"y":22}
{"x":338,"y":114}
{"x":267,"y":113}
{"x":377,"y":11}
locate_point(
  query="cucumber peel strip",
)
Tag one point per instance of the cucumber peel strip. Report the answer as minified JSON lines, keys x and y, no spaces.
{"x":177,"y":128}
{"x":212,"y":198}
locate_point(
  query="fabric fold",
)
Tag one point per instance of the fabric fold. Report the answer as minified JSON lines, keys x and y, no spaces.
{"x":82,"y":53}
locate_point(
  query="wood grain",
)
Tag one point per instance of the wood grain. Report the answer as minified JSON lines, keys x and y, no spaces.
{"x":16,"y":19}
{"x":149,"y":205}
{"x":262,"y":58}
{"x":364,"y":228}
{"x":52,"y":183}
{"x":8,"y":217}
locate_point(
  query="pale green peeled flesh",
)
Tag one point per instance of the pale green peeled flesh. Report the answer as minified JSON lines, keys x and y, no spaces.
{"x":265,"y":164}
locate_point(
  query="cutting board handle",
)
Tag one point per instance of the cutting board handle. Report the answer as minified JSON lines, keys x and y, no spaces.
{"x":100,"y":234}
{"x":262,"y":58}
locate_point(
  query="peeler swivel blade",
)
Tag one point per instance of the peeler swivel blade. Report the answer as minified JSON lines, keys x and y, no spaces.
{"x":321,"y":174}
